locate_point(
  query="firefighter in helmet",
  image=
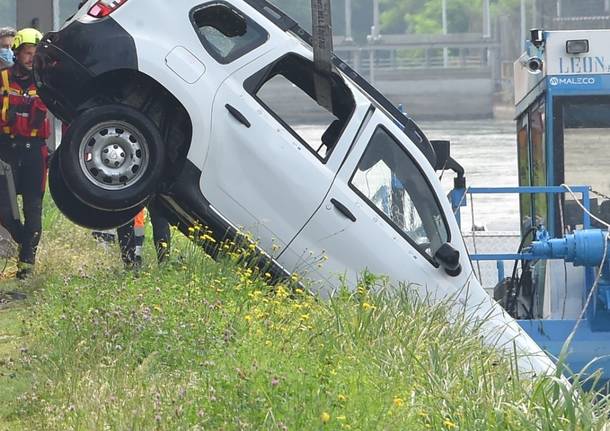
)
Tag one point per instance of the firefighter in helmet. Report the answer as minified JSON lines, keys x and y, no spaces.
{"x":24,"y":128}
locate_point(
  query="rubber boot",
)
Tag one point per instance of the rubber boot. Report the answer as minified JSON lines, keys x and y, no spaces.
{"x":24,"y":270}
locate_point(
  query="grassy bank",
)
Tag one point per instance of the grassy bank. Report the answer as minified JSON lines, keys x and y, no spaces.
{"x":204,"y":345}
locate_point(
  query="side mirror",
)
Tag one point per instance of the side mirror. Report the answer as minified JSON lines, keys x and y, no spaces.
{"x":449,"y":258}
{"x":443,"y":154}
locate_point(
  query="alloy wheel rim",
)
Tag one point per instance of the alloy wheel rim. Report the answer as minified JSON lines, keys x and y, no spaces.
{"x":114,"y":155}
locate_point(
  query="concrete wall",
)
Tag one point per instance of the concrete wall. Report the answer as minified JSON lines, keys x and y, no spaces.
{"x":424,"y":97}
{"x":442,"y":98}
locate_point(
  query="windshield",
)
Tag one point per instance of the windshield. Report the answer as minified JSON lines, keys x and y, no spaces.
{"x":586,"y":143}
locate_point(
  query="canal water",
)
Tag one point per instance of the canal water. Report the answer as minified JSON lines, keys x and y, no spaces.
{"x":487,"y":150}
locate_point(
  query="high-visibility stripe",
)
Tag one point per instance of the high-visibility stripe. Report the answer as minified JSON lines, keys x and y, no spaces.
{"x":139,"y":220}
{"x":4,"y":108}
{"x":6,"y":88}
{"x":5,"y":81}
{"x":34,"y":133}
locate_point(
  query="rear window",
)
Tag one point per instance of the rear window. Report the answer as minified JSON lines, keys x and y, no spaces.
{"x":225,"y":32}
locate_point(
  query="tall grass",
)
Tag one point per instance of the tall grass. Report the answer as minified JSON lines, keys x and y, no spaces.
{"x":199,"y":344}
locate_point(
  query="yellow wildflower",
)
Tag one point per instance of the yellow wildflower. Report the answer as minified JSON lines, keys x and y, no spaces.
{"x":368,"y":306}
{"x":325,"y":417}
{"x":342,"y":398}
{"x":448,"y":424}
{"x":398,"y":402}
{"x":248,"y":317}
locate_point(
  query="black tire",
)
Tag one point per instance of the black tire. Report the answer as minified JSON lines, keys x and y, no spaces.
{"x":80,"y":213}
{"x":113,"y":157}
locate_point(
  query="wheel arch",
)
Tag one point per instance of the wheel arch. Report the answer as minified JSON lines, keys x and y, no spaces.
{"x":139,"y":90}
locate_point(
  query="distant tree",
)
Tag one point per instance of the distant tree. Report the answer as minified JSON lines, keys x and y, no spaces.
{"x":425,"y":16}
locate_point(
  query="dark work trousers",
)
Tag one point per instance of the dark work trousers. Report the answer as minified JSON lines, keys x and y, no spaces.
{"x":28,"y":161}
{"x":161,"y":235}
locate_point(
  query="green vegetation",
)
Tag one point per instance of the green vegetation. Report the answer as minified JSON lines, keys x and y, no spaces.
{"x":405,"y":16}
{"x":200,"y":344}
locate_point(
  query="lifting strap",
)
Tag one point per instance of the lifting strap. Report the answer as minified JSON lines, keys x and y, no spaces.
{"x":322,"y":52}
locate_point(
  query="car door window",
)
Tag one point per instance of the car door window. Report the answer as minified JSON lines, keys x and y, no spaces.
{"x":286,"y":89}
{"x":390,"y":181}
{"x":226,"y":33}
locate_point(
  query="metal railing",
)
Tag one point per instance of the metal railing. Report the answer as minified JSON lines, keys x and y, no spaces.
{"x":459,"y":200}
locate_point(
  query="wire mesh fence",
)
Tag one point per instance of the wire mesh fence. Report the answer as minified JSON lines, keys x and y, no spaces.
{"x":572,"y":15}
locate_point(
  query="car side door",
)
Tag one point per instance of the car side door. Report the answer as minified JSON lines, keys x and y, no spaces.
{"x":385,"y":213}
{"x":266,"y":173}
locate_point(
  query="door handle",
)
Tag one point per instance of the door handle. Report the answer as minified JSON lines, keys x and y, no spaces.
{"x":343,"y":209}
{"x":238,"y":115}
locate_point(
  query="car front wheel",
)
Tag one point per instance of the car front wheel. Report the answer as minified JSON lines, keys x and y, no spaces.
{"x":112,"y":157}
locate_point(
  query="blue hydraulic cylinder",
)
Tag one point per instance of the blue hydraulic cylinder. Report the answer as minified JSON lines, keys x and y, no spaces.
{"x":583,"y":248}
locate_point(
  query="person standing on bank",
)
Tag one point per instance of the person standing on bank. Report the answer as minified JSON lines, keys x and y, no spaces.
{"x":24,"y":128}
{"x":7,"y":37}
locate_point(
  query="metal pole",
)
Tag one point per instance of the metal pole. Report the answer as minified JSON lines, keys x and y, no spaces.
{"x":535,"y":23}
{"x":559,"y":11}
{"x":56,"y":15}
{"x":445,"y":50}
{"x":606,"y":6}
{"x":374,"y":38}
{"x":523,"y":23}
{"x":486,"y":19}
{"x":486,"y":31}
{"x":57,"y":133}
{"x":375,"y":18}
{"x":348,"y":20}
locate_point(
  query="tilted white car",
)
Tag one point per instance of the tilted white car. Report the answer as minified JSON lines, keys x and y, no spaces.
{"x":193,"y":101}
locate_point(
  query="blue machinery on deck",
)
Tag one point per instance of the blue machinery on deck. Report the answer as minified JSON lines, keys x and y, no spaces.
{"x":587,"y":248}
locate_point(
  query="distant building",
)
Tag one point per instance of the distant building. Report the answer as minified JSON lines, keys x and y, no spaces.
{"x":43,"y":15}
